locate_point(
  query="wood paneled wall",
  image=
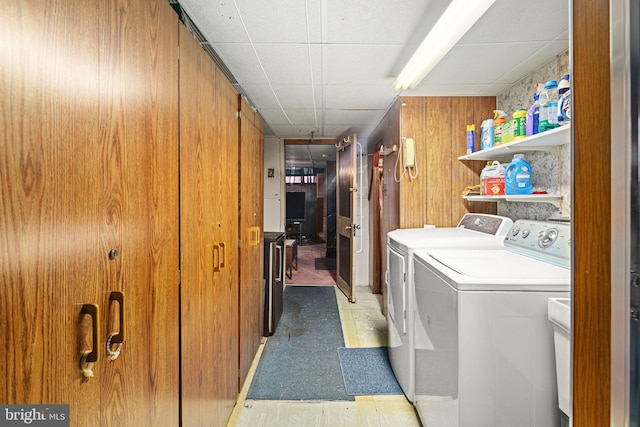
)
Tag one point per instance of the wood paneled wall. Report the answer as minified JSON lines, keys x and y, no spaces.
{"x":438,"y":125}
{"x":591,"y":210}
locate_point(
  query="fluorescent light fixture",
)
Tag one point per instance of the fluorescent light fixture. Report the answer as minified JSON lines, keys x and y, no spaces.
{"x":452,"y":25}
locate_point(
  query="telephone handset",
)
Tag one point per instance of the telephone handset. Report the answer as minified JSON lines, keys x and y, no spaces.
{"x":408,"y":152}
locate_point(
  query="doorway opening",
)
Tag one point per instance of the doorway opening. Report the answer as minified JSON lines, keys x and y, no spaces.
{"x":310,"y":184}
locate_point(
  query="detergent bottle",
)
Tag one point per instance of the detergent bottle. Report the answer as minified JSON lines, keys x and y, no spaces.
{"x":533,"y":113}
{"x":517,"y":176}
{"x":492,"y":179}
{"x":498,"y":123}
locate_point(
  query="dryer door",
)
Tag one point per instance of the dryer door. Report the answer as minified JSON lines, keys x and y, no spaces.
{"x":397,"y":289}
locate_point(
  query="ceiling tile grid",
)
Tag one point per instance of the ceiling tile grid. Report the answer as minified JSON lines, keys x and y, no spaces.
{"x":328,"y":66}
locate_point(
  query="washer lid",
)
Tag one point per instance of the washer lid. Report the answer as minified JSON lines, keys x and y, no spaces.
{"x":410,"y":239}
{"x":495,"y":270}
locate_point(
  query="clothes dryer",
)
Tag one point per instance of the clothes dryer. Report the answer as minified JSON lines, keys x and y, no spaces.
{"x":484,"y":354}
{"x":473,"y":231}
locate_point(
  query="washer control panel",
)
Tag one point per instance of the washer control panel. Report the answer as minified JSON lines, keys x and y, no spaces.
{"x":547,"y":241}
{"x":485,"y":223}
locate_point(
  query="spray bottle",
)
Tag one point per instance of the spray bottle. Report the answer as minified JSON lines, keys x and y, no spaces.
{"x":498,"y":122}
{"x":471,"y":139}
{"x":564,"y":102}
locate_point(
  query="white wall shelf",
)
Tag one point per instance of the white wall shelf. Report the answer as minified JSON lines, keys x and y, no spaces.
{"x":546,"y":141}
{"x":554,"y":199}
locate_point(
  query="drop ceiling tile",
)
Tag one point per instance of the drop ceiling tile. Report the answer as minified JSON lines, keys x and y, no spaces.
{"x":519,"y":21}
{"x":357,"y":96}
{"x":288,"y":131}
{"x":303,"y":120}
{"x":533,"y":62}
{"x":284,"y":21}
{"x":282,"y":64}
{"x":291,"y":96}
{"x":342,"y":117}
{"x":371,"y":21}
{"x":479,"y":64}
{"x":352,"y":64}
{"x":242,"y":63}
{"x":340,"y":130}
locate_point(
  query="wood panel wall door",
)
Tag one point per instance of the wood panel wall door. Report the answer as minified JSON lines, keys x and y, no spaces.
{"x":208,"y":238}
{"x":251,"y":240}
{"x":138,"y":202}
{"x":88,"y":156}
{"x":50,"y":241}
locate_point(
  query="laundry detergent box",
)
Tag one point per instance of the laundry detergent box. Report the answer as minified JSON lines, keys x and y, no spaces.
{"x":493,"y":185}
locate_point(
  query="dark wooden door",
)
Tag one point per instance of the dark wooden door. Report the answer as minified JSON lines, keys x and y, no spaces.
{"x":345,"y":225}
{"x":208,"y":238}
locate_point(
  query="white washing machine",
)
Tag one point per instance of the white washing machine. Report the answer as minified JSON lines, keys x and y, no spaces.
{"x":473,"y":231}
{"x":484,"y":354}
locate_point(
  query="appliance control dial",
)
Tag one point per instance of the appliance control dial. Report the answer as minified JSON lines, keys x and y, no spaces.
{"x":547,"y":237}
{"x":525,"y":233}
{"x":514,"y":231}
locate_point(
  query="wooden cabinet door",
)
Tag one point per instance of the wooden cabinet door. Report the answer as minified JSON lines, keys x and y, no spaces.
{"x":138,"y":197}
{"x":208,"y":238}
{"x":251,"y":240}
{"x":88,"y":161}
{"x":49,"y":226}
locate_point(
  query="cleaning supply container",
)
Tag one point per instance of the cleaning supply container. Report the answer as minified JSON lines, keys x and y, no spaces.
{"x":487,"y":134}
{"x":517,"y":176}
{"x":498,"y":123}
{"x":492,"y":179}
{"x":564,"y":101}
{"x":549,"y":106}
{"x":533,"y":113}
{"x":471,"y":139}
{"x":519,"y":125}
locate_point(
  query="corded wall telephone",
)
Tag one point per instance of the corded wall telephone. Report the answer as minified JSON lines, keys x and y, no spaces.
{"x":408,"y":152}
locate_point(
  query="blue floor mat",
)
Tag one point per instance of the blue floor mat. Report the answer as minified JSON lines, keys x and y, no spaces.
{"x":367,"y":371}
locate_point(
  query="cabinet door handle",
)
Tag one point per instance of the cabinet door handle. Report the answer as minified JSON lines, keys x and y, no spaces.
{"x":117,"y":338}
{"x":216,"y":259}
{"x":254,"y":238}
{"x":279,"y":262}
{"x":89,"y":357}
{"x":224,"y":255}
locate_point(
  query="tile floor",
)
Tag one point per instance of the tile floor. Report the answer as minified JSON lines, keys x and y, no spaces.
{"x":363,"y":325}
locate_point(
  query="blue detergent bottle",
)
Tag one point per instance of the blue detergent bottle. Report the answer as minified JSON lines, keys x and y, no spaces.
{"x":517,"y":176}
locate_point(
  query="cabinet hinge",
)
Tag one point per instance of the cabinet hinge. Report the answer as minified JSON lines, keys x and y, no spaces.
{"x":239,"y":114}
{"x":239,"y":243}
{"x":179,"y":278}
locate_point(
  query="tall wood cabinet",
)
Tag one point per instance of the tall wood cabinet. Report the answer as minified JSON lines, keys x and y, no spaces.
{"x":121,"y":159}
{"x":208,"y":237}
{"x":89,"y":209}
{"x":251,"y":168}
